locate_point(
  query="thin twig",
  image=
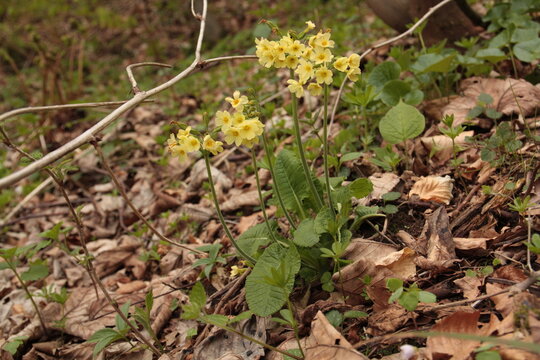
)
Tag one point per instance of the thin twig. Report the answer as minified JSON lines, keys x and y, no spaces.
{"x":409,"y":31}
{"x":33,"y":109}
{"x":107,"y":120}
{"x":122,"y":191}
{"x":132,"y":80}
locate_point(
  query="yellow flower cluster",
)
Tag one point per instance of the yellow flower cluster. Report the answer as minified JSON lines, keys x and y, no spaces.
{"x":236,"y":127}
{"x":309,"y":61}
{"x":183,"y":143}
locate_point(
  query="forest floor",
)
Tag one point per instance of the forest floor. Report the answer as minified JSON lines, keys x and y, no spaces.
{"x":454,"y":218}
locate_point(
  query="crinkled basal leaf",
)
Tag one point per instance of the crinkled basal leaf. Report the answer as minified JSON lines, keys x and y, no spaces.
{"x":290,"y":180}
{"x":393,"y":91}
{"x":256,"y":236}
{"x":305,"y":235}
{"x":401,"y":122}
{"x":265,"y":299}
{"x":383,"y":73}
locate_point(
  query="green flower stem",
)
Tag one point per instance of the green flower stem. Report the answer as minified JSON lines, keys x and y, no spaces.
{"x":325,"y":152}
{"x":218,"y":209}
{"x":261,"y":199}
{"x":276,"y":188}
{"x":302,"y":154}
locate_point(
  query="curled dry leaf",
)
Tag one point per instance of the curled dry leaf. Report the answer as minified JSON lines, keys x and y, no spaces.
{"x":434,"y":188}
{"x":443,"y":146}
{"x":382,"y":183}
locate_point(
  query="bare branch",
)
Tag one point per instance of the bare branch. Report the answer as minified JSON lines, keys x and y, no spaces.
{"x":132,"y":80}
{"x":33,"y":109}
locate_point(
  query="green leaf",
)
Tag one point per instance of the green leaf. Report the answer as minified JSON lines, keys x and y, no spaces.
{"x":393,"y":284}
{"x":391,"y":196}
{"x":264,"y":299}
{"x":242,"y":316}
{"x":409,"y":300}
{"x":215,"y":319}
{"x":103,"y":338}
{"x":335,"y":318}
{"x":53,"y":232}
{"x":361,"y":188}
{"x":197,"y":295}
{"x":383,"y":73}
{"x":13,"y":345}
{"x":488,"y":355}
{"x":38,"y":270}
{"x":190,"y":312}
{"x":305,"y":234}
{"x":354,"y":314}
{"x":394,"y":91}
{"x":389,"y":209}
{"x":433,"y":63}
{"x":414,"y":97}
{"x":528,"y":51}
{"x":401,"y":122}
{"x":325,"y":222}
{"x":486,"y":99}
{"x":427,"y":297}
{"x":291,"y":181}
{"x":493,"y":55}
{"x":121,"y":325}
{"x":255,"y":237}
{"x":149,"y":301}
{"x":395,"y":295}
{"x":350,"y":156}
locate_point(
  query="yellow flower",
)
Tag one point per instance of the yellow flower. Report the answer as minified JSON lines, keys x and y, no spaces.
{"x":267,"y":59}
{"x":296,"y":48}
{"x":249,"y":143}
{"x":190,"y":143}
{"x":321,"y":55}
{"x":291,"y":62}
{"x":250,"y":129}
{"x":235,"y":271}
{"x":286,"y":41}
{"x":183,"y":133}
{"x":237,"y":119}
{"x":296,"y":87}
{"x":341,"y":64}
{"x":310,"y":25}
{"x":180,"y":152}
{"x":308,"y":52}
{"x":212,"y":145}
{"x":171,"y":142}
{"x":280,"y":51}
{"x":263,"y":45}
{"x":323,"y":40}
{"x":304,"y":70}
{"x":353,"y":74}
{"x":354,"y":60}
{"x":315,"y":89}
{"x":323,"y":75}
{"x":232,"y":135}
{"x":280,"y":63}
{"x":223,"y":119}
{"x":237,"y":101}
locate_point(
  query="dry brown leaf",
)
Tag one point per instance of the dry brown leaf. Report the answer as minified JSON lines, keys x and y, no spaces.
{"x":470,"y":243}
{"x":470,"y":285}
{"x":389,"y":319}
{"x":440,"y":244}
{"x":458,"y":349}
{"x":401,"y":263}
{"x":131,"y":287}
{"x":510,"y":96}
{"x":239,"y":198}
{"x":367,"y":249}
{"x":326,"y":343}
{"x":433,"y":188}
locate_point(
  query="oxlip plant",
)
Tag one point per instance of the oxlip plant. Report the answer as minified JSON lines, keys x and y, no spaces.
{"x":317,"y":211}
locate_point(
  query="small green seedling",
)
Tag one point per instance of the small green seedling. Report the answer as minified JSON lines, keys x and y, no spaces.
{"x":408,"y":297}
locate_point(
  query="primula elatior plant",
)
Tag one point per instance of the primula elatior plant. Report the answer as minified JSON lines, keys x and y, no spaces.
{"x":317,"y":210}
